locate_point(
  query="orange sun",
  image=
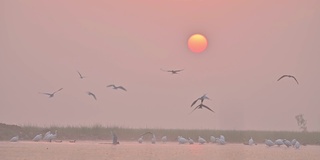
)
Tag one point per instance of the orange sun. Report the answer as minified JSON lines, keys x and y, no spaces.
{"x":197,"y":43}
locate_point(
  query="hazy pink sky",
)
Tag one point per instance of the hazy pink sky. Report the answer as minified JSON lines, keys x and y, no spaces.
{"x":125,"y":42}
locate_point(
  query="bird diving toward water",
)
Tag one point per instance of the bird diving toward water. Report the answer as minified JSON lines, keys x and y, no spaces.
{"x":173,"y":71}
{"x":80,"y":75}
{"x":200,"y":107}
{"x":117,"y":87}
{"x":289,"y":76}
{"x":51,"y":94}
{"x":91,"y":94}
{"x":114,"y":139}
{"x":202,"y":98}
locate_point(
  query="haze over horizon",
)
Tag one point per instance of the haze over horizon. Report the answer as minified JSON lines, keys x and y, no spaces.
{"x":250,"y":45}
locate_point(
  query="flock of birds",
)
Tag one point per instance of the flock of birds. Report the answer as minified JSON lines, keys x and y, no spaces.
{"x":181,"y":140}
{"x":49,"y":137}
{"x":88,"y":92}
{"x":200,"y":106}
{"x":202,"y":98}
{"x":222,"y":141}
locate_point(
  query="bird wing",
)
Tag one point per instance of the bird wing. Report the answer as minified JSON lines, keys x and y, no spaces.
{"x":283,"y":77}
{"x":79,"y":74}
{"x":195,"y":109}
{"x":91,"y":94}
{"x":179,"y":70}
{"x":94,"y":96}
{"x":167,"y":70}
{"x":122,"y":88}
{"x":295,"y":79}
{"x":45,"y":93}
{"x":111,"y":85}
{"x":207,"y":107}
{"x":194,"y":102}
{"x":57,"y":90}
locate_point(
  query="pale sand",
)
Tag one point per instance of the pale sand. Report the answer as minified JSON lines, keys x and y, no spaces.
{"x":93,"y":150}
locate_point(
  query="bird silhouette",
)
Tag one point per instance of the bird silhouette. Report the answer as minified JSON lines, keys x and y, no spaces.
{"x":289,"y":76}
{"x":51,"y":94}
{"x":202,"y":98}
{"x":91,"y":94}
{"x":117,"y":87}
{"x":80,"y":75}
{"x":200,"y":107}
{"x":173,"y":71}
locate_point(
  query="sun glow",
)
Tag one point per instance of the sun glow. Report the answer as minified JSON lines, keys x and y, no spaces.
{"x":197,"y":43}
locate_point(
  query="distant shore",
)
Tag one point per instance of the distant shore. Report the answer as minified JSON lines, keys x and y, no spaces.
{"x":98,"y":132}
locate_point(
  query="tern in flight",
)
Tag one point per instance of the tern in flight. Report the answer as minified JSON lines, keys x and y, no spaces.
{"x":80,"y":75}
{"x":91,"y":94}
{"x":200,"y":107}
{"x":173,"y":71}
{"x":289,"y":76}
{"x":117,"y":87}
{"x":202,"y":98}
{"x":52,"y":94}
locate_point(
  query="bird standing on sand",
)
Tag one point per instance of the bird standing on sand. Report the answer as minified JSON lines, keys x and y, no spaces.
{"x":37,"y":138}
{"x":14,"y":139}
{"x":117,"y":87}
{"x":287,"y":143}
{"x":201,"y":140}
{"x":212,"y":139}
{"x":268,"y":142}
{"x":114,"y":139}
{"x":91,"y":94}
{"x":289,"y":76}
{"x":182,"y":140}
{"x":164,"y":139}
{"x":191,"y":141}
{"x":279,"y":142}
{"x":251,"y":142}
{"x":297,"y":145}
{"x":173,"y":71}
{"x":80,"y":75}
{"x":51,"y":94}
{"x":140,"y":140}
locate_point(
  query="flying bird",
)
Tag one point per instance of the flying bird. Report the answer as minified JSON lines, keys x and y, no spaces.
{"x":51,"y":94}
{"x":202,"y":98}
{"x":200,"y":107}
{"x":91,"y":94}
{"x":289,"y":76}
{"x":117,"y":87}
{"x":173,"y":71}
{"x":80,"y":75}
